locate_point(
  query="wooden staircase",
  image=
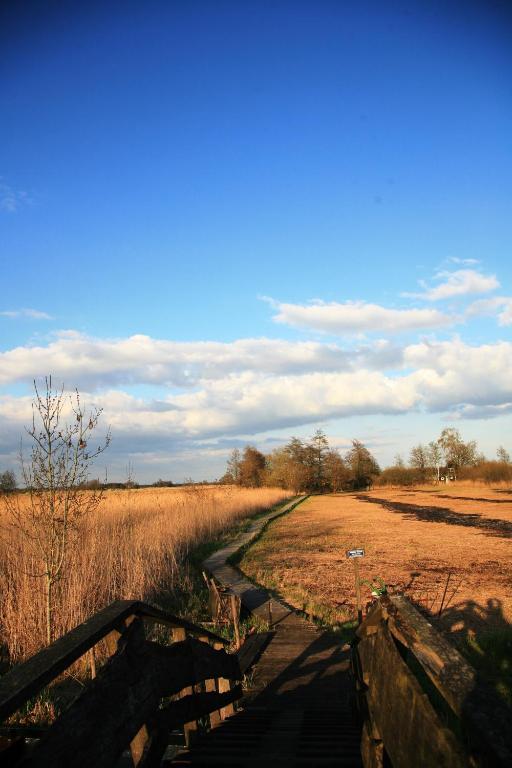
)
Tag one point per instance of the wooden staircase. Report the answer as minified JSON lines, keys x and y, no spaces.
{"x":296,"y":712}
{"x":258,"y":737}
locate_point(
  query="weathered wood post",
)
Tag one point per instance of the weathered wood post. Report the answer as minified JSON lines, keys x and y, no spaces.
{"x":189,"y":729}
{"x":223,"y":686}
{"x":140,"y":740}
{"x":210,"y":686}
{"x":235,"y":613}
{"x":354,"y":555}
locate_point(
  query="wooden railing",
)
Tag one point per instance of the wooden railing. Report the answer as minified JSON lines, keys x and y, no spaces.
{"x":422,"y":704}
{"x":144,"y":691}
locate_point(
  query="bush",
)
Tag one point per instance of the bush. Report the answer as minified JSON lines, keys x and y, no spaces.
{"x":400,"y":476}
{"x":7,"y":481}
{"x":487,"y":471}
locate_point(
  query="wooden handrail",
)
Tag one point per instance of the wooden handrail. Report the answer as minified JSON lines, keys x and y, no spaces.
{"x":407,"y":719}
{"x":26,"y":680}
{"x":126,"y":696}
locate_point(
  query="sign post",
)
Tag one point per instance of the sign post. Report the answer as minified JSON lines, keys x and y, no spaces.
{"x":354,"y":555}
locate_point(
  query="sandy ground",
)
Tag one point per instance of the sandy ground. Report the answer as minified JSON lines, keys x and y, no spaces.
{"x":413,"y":539}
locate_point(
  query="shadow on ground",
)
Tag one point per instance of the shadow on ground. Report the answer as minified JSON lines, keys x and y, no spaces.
{"x":489,"y":525}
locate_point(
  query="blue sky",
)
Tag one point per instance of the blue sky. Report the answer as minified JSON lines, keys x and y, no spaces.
{"x":230,"y":221}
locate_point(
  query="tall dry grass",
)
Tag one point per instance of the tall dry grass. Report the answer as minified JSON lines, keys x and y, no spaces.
{"x":134,"y":546}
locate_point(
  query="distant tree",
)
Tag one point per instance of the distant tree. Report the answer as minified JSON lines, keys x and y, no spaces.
{"x":398,"y":461}
{"x":130,"y":477}
{"x":503,"y":455}
{"x":419,"y":459}
{"x":435,"y":457}
{"x":299,"y":465}
{"x":317,"y":450}
{"x":336,"y":471}
{"x":252,"y":467}
{"x":363,"y":466}
{"x":457,"y":453}
{"x":233,"y":466}
{"x":7,"y":481}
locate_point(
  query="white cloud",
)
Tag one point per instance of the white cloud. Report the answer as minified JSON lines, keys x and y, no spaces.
{"x":33,"y":314}
{"x":439,"y":376}
{"x":75,"y":358}
{"x":225,"y":391}
{"x":88,"y":362}
{"x":456,"y":260}
{"x":356,"y":317}
{"x":491,"y":307}
{"x":459,"y":283}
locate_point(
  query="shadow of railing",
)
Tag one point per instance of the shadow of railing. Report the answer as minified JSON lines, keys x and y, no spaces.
{"x":430,"y":514}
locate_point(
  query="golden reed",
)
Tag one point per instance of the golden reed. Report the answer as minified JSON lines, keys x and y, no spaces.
{"x":134,"y":546}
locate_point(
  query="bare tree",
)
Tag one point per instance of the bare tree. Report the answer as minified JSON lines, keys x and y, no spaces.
{"x":233,"y":468}
{"x":503,"y":455}
{"x":55,"y":473}
{"x":435,"y":456}
{"x":457,"y":453}
{"x":419,"y":459}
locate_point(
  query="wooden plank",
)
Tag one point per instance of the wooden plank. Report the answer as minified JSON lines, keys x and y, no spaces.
{"x":372,"y":750}
{"x":125,"y":695}
{"x":410,"y":728}
{"x":189,"y":727}
{"x":175,"y":715}
{"x":251,"y":649}
{"x":371,"y":623}
{"x":447,"y":669}
{"x":224,"y":686}
{"x":27,"y":679}
{"x":482,"y":714}
{"x":162,"y":617}
{"x":195,"y":706}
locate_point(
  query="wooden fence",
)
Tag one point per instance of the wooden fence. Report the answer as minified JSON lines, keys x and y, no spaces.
{"x":144,"y":691}
{"x":422,"y":704}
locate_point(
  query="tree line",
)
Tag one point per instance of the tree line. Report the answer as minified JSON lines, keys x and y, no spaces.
{"x":448,"y":456}
{"x":310,"y":466}
{"x":313,"y":466}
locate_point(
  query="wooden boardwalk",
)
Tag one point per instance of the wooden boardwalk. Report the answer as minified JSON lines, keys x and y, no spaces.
{"x":296,"y":711}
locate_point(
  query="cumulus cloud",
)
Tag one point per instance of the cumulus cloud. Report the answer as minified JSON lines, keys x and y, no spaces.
{"x":438,"y":376}
{"x":356,"y":317}
{"x":98,"y":363}
{"x":468,"y":411}
{"x":32,"y":314}
{"x":459,"y":283}
{"x":497,"y":306}
{"x":212,"y":391}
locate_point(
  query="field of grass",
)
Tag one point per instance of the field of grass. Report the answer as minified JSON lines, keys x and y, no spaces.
{"x":420,"y":542}
{"x":138,"y":545}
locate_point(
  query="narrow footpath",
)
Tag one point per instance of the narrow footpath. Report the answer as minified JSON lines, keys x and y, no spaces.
{"x":296,"y":711}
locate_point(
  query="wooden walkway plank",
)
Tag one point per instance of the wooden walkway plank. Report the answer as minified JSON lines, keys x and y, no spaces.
{"x":296,"y":711}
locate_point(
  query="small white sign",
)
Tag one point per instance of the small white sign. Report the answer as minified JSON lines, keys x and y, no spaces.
{"x":355,"y":553}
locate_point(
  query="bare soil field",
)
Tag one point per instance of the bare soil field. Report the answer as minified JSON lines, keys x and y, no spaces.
{"x":413,"y":539}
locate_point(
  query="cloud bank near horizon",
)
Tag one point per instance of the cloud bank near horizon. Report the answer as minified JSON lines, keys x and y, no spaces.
{"x":161,"y":394}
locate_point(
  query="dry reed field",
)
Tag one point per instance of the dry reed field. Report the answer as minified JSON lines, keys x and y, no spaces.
{"x":413,"y":539}
{"x":135,"y":546}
